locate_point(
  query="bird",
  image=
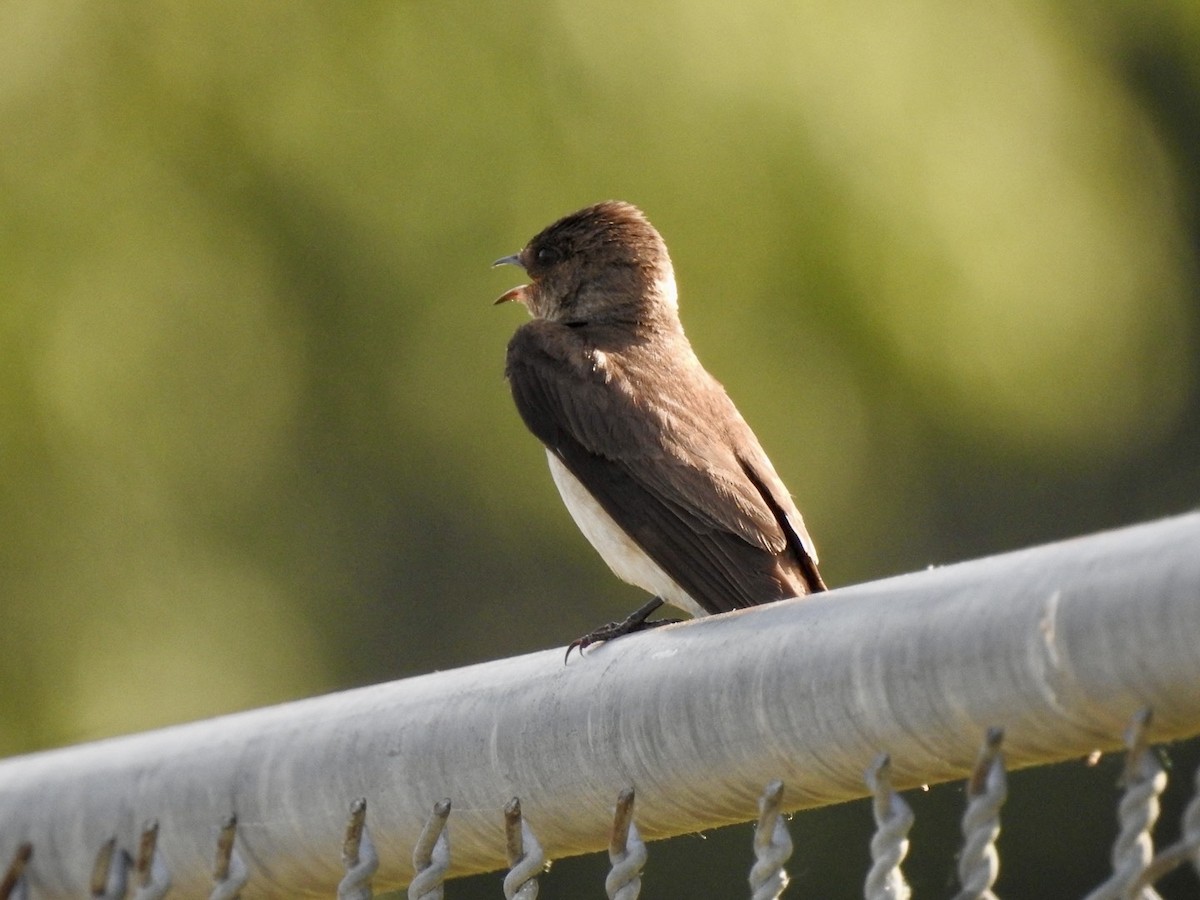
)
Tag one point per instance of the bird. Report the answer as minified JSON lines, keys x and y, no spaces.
{"x":652,"y":459}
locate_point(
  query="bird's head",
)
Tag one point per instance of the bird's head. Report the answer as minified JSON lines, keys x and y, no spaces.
{"x":605,"y":263}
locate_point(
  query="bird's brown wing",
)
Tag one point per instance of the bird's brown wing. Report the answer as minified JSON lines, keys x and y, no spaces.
{"x":719,"y":523}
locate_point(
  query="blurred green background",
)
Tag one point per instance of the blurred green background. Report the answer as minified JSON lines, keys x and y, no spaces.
{"x":255,"y":435}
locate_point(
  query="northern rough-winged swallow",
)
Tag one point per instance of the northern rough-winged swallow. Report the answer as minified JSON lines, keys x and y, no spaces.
{"x":656,"y":465}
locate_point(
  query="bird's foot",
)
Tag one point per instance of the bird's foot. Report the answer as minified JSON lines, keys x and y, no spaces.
{"x":635,"y":621}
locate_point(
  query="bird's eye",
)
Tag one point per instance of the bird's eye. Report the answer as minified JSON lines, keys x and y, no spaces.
{"x":547,"y":256}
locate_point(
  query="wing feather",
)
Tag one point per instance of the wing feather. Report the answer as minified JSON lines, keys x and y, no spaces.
{"x":721,"y":525}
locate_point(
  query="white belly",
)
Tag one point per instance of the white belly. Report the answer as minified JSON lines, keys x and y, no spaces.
{"x":627,"y":560}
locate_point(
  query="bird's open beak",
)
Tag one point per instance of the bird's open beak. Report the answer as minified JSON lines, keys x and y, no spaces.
{"x":517,"y":293}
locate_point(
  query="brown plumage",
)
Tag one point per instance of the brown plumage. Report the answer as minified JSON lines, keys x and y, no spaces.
{"x":606,"y":379}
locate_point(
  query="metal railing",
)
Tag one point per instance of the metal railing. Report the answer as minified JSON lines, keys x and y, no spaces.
{"x":1057,"y":644}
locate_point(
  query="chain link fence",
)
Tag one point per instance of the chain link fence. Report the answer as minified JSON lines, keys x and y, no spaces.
{"x":744,"y":717}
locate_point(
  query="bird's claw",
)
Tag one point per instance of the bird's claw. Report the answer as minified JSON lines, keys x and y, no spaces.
{"x":606,"y":632}
{"x":580,"y":643}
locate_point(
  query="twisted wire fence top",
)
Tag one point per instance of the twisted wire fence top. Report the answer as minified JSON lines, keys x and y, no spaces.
{"x":525,"y":856}
{"x":230,"y":872}
{"x":626,"y":852}
{"x":987,"y":789}
{"x":772,"y":845}
{"x":13,"y":884}
{"x":152,"y":879}
{"x":359,"y":857}
{"x":431,"y":855}
{"x":889,"y":845}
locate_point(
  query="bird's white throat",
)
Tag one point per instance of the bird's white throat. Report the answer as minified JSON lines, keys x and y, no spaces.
{"x":667,"y":289}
